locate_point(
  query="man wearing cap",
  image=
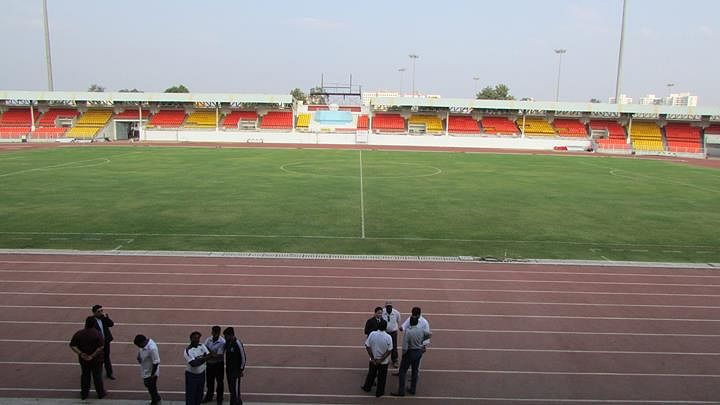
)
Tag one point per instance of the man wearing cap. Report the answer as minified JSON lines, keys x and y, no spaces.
{"x":103,"y":324}
{"x":149,"y":359}
{"x":392,"y":317}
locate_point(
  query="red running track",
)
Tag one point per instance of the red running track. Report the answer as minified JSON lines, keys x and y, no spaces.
{"x":502,"y":333}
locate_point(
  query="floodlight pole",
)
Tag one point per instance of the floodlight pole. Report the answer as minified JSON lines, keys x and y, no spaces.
{"x":48,"y":62}
{"x":618,"y":81}
{"x":560,"y":53}
{"x":402,"y":77}
{"x":476,"y":79}
{"x":414,"y":57}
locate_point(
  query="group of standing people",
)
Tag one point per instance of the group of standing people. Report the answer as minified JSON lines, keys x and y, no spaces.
{"x":382,"y":347}
{"x":207,"y":363}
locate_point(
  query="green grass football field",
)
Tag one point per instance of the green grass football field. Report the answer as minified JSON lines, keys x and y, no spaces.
{"x":359,"y":202}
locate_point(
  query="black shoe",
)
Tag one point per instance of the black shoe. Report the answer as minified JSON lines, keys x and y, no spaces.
{"x":112,"y":377}
{"x":379,"y":395}
{"x":83,"y":396}
{"x":102,"y":395}
{"x":397,"y":394}
{"x":409,"y":391}
{"x":365,"y":389}
{"x":206,"y":400}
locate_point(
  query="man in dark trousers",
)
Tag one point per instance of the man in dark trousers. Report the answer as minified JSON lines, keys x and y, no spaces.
{"x":413,"y":349}
{"x":88,"y":345}
{"x":215,"y":372}
{"x":149,"y":359}
{"x":234,"y":364}
{"x":378,"y":346}
{"x":373,"y":323}
{"x":103,"y":323}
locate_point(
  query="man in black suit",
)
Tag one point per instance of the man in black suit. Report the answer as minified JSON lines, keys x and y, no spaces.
{"x":373,"y":323}
{"x":103,"y":323}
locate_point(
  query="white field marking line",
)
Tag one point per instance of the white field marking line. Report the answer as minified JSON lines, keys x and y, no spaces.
{"x":301,"y":298}
{"x":434,"y":348}
{"x":362,"y":198}
{"x":287,"y":169}
{"x":354,"y":329}
{"x":419,"y":397}
{"x":447,"y":289}
{"x":407,"y":238}
{"x":480,"y":280}
{"x":447,"y":315}
{"x":341,"y":268}
{"x":452,"y":371}
{"x":60,"y":166}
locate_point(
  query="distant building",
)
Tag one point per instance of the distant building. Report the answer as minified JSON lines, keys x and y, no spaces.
{"x":651,"y":99}
{"x":681,"y":99}
{"x":367,"y":95}
{"x":624,"y":99}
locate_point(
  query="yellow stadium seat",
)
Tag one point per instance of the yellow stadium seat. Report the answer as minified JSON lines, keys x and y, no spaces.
{"x":536,"y":126}
{"x":646,"y":136}
{"x":303,"y":121}
{"x":89,"y":124}
{"x":432,"y":123}
{"x":201,"y":119}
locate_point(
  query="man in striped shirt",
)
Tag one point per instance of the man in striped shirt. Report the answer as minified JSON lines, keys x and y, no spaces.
{"x":234,"y":364}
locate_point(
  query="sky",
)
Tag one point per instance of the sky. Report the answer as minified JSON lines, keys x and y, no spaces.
{"x":274,"y":46}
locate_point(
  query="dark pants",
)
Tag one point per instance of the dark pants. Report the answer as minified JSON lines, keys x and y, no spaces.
{"x":394,"y":352}
{"x":215,"y":372}
{"x":381,"y":372}
{"x":234,"y":388}
{"x":151,"y":384}
{"x":194,"y":384}
{"x":410,"y":358}
{"x":93,"y":369}
{"x":106,"y":359}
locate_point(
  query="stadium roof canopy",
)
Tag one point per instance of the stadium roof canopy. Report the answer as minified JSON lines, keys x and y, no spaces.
{"x":565,"y":107}
{"x":111,"y":97}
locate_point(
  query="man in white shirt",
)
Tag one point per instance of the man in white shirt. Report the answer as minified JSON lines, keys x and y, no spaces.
{"x":215,"y":365}
{"x":413,"y":349}
{"x":422,"y":324}
{"x":392,"y":317}
{"x":196,"y":354}
{"x":149,"y":359}
{"x":378,"y":346}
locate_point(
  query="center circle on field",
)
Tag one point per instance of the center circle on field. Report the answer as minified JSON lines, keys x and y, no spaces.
{"x":370,"y":170}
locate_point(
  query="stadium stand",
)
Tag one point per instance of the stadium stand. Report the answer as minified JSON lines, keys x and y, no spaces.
{"x":570,"y":128}
{"x":131,"y":114}
{"x":303,"y":121}
{"x":713,"y":129}
{"x":317,"y":107}
{"x":48,"y":126}
{"x":388,"y":123}
{"x":167,"y":119}
{"x":463,"y":124}
{"x":616,"y":138}
{"x":89,"y":124}
{"x":682,"y":137}
{"x":425,"y":123}
{"x":351,"y":108}
{"x":362,"y":122}
{"x":201,"y":119}
{"x":277,"y":120}
{"x":536,"y":126}
{"x":16,"y":122}
{"x":241,"y":119}
{"x":646,"y":136}
{"x":499,"y":126}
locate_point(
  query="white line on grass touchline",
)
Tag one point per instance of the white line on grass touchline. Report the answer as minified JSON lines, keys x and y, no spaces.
{"x":301,"y":298}
{"x":433,"y":348}
{"x":354,"y":329}
{"x":406,"y":238}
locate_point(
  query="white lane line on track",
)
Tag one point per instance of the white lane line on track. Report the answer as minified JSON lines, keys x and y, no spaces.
{"x":354,"y":329}
{"x":419,"y":397}
{"x":364,"y":369}
{"x":280,"y":311}
{"x":300,"y":298}
{"x":362,"y":199}
{"x":491,"y":290}
{"x":364,"y":268}
{"x":434,"y":348}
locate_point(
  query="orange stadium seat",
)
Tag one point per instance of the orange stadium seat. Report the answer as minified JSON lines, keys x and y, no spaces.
{"x":388,"y":123}
{"x":713,"y":129}
{"x":49,"y":118}
{"x":616,"y":135}
{"x":131,"y":114}
{"x":682,"y":137}
{"x":570,"y":128}
{"x":362,"y":122}
{"x":167,"y":119}
{"x":463,"y":124}
{"x":277,"y":120}
{"x":233,"y":119}
{"x":16,"y":122}
{"x":499,"y":126}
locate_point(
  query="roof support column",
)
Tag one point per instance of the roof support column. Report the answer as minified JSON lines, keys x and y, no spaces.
{"x":522,"y":130}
